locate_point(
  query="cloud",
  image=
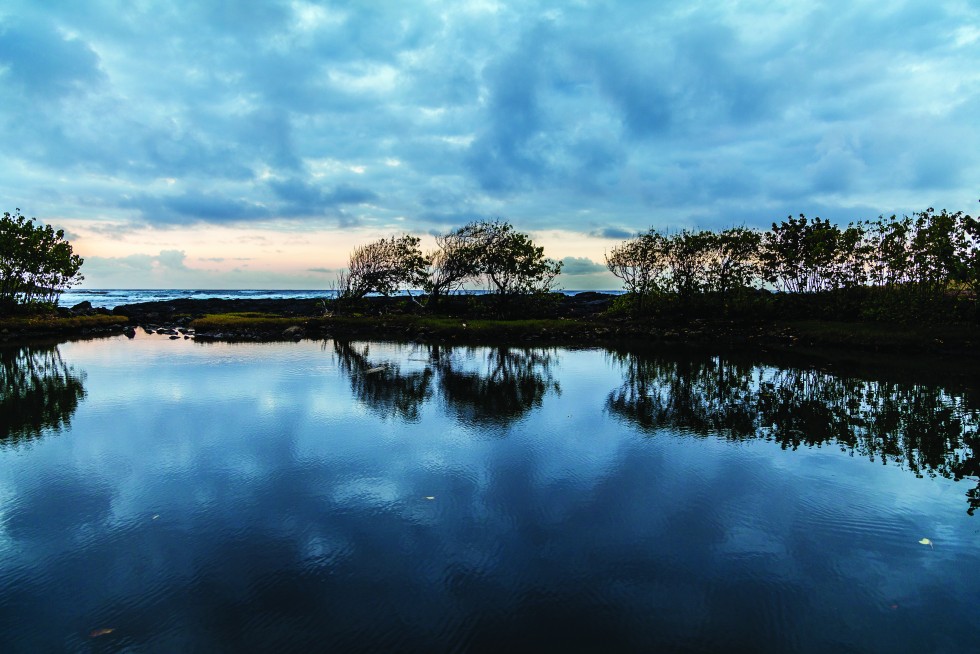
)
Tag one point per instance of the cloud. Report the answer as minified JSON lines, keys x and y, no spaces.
{"x":165,"y":261}
{"x":321,"y":270}
{"x":604,"y":119}
{"x":44,"y":63}
{"x":302,"y":198}
{"x":581,"y":266}
{"x":172,"y":259}
{"x":613,"y":233}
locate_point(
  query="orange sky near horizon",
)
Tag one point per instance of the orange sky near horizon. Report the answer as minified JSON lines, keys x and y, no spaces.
{"x":273,"y":256}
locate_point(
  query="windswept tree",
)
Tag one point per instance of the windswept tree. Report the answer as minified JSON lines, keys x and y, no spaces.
{"x":510,"y":261}
{"x":384,"y":266}
{"x":36,"y":261}
{"x":454,"y":262}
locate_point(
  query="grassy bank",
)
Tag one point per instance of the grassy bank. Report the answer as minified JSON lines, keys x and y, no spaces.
{"x":31,"y":326}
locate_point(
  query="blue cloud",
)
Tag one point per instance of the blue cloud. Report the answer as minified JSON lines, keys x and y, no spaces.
{"x":605,"y":119}
{"x":613,"y":233}
{"x":45,"y":64}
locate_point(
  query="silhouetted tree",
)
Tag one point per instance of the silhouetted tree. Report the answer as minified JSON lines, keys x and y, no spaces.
{"x":733,"y":263}
{"x":36,"y":262}
{"x":641,"y":263}
{"x":384,"y":266}
{"x":509,"y":260}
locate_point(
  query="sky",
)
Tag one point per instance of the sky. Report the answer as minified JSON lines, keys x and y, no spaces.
{"x":225,"y":144}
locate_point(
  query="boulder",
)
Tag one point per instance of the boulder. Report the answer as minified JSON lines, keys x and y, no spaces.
{"x":82,"y":308}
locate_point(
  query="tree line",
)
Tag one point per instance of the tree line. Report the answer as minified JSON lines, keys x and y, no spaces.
{"x":891,"y":267}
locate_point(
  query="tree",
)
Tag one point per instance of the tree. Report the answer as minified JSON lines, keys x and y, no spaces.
{"x":36,"y":262}
{"x":384,"y":266}
{"x":799,"y":255}
{"x":640,"y":263}
{"x":510,"y":261}
{"x":454,"y":261}
{"x":937,"y":248}
{"x":689,"y":255}
{"x":733,"y":265}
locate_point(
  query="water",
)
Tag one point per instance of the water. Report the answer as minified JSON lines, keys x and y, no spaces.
{"x":161,"y":495}
{"x":111,"y":298}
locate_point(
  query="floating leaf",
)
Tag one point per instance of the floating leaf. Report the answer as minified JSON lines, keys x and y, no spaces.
{"x":926,"y":541}
{"x":100,"y":632}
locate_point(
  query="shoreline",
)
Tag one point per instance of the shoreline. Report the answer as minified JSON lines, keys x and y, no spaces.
{"x":580,"y":320}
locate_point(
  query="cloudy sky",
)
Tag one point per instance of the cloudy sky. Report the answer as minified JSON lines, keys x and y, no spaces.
{"x":225,"y":144}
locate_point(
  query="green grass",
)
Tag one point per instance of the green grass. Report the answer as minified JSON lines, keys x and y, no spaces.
{"x":244,"y":320}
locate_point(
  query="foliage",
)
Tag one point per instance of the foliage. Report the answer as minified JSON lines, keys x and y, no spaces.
{"x":384,"y":266}
{"x":688,"y":254}
{"x":489,"y":250}
{"x":800,"y":255}
{"x":36,"y":262}
{"x":454,"y":262}
{"x":924,"y":267}
{"x":733,"y":264}
{"x":685,"y":264}
{"x":641,"y":263}
{"x":509,"y":260}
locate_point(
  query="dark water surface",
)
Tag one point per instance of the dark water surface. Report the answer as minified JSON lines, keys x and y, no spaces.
{"x":168,"y":496}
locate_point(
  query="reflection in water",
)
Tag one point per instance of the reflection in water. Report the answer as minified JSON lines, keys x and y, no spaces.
{"x":382,"y":497}
{"x":924,"y":429}
{"x":384,"y":388}
{"x":38,"y":391}
{"x":479,"y":385}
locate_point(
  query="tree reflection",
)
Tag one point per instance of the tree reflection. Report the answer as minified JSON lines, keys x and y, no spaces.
{"x":511,"y":383}
{"x":382,"y":385}
{"x":925,"y":429}
{"x":38,"y":392}
{"x":480,"y":385}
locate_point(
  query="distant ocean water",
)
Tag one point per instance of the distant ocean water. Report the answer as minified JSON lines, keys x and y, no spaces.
{"x":113,"y":297}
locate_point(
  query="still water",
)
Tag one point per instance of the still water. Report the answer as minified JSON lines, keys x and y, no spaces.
{"x":161,"y":495}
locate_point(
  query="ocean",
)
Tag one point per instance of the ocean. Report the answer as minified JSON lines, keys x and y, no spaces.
{"x":112,"y":297}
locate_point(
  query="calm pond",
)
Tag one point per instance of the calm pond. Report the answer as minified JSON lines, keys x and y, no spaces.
{"x":161,"y":495}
